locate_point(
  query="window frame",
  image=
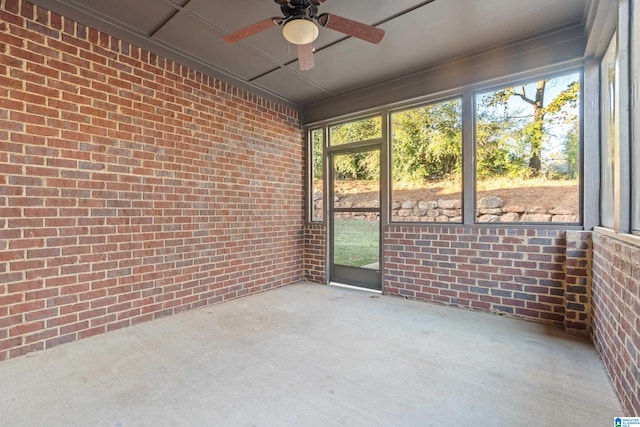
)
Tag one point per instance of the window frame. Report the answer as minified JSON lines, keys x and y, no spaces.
{"x":513,"y":81}
{"x":608,"y":119}
{"x":467,"y":94}
{"x":432,"y":101}
{"x":330,"y":125}
{"x":622,"y":162}
{"x":635,"y":122}
{"x":626,"y":204}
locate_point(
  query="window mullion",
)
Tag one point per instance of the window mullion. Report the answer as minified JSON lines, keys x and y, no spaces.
{"x":622,"y":190}
{"x":591,"y":152}
{"x":468,"y":158}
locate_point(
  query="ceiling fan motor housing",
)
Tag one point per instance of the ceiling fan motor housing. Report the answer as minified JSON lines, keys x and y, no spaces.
{"x":299,"y":9}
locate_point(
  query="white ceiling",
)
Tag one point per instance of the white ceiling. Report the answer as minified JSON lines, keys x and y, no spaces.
{"x":419,"y":35}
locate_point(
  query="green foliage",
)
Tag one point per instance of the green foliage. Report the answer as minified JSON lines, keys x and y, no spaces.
{"x":427,"y":142}
{"x":361,"y":130}
{"x":317,"y":158}
{"x":565,"y":100}
{"x":572,"y":147}
{"x":516,"y":128}
{"x":365,"y":166}
{"x":498,"y":150}
{"x":356,"y":242}
{"x":358,"y":166}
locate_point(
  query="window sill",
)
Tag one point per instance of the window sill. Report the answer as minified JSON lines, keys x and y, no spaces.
{"x":631,"y":239}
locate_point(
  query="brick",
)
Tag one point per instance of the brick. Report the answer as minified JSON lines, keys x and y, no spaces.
{"x":11,"y":277}
{"x":10,"y":343}
{"x":25,"y":286}
{"x":74,"y":327}
{"x":26,"y":55}
{"x":40,"y":336}
{"x":54,"y":342}
{"x":41,"y":314}
{"x":25,"y":328}
{"x":22,"y":117}
{"x":26,"y":307}
{"x":25,"y":349}
{"x":11,"y":255}
{"x":92,"y":332}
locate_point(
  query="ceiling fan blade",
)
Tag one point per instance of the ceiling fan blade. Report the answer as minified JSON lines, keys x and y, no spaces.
{"x":305,"y":57}
{"x":352,"y":28}
{"x":245,"y":32}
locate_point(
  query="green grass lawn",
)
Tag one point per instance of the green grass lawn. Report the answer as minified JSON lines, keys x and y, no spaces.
{"x":356,"y":242}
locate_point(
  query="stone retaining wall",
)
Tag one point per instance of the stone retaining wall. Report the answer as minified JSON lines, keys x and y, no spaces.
{"x":490,"y":210}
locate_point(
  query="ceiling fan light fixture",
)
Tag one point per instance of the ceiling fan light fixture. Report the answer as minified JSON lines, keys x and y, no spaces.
{"x":300,"y":31}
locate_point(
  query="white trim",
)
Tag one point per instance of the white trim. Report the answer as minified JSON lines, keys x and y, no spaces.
{"x":355,"y":288}
{"x":631,"y":239}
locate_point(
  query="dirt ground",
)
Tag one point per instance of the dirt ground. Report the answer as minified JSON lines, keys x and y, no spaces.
{"x":525,"y":193}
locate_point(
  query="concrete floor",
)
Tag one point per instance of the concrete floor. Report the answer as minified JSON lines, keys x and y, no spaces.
{"x":311,"y":355}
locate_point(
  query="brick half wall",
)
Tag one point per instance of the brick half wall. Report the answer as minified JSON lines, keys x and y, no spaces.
{"x":315,"y":253}
{"x":616,"y":315}
{"x":511,"y":271}
{"x":132,"y":187}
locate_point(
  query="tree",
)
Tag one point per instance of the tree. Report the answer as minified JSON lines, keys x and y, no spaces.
{"x":540,"y":117}
{"x":499,"y":148}
{"x":427,"y":144}
{"x":572,"y":148}
{"x":517,"y":129}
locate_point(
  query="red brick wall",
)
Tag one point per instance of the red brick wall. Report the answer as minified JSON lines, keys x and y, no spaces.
{"x":578,"y":282}
{"x":315,"y":253}
{"x":536,"y":274}
{"x":132,"y":187}
{"x":518,"y":272}
{"x":616,"y":315}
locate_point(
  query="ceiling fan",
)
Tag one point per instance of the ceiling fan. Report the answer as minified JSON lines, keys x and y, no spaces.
{"x":300,"y":27}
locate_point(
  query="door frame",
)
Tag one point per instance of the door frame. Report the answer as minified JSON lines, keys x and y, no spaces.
{"x":347,"y":275}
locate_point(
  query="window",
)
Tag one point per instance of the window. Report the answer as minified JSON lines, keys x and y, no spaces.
{"x":527,"y":151}
{"x":427,"y":163}
{"x":609,"y":125}
{"x":317,"y":175}
{"x":361,"y":130}
{"x":516,"y":160}
{"x":359,"y":172}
